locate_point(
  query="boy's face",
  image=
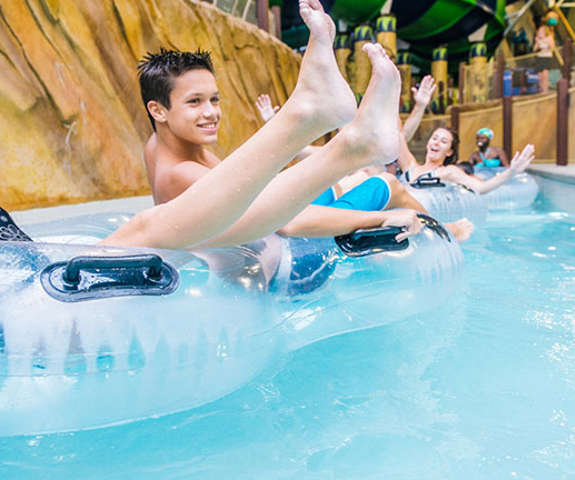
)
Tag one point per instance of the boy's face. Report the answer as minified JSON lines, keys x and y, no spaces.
{"x":194,"y":114}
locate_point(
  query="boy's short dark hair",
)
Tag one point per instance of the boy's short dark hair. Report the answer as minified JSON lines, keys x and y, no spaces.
{"x":156,"y":72}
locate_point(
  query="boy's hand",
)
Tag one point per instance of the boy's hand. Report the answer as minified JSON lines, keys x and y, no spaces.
{"x":405,"y":218}
{"x":422,"y":96}
{"x":265,"y":108}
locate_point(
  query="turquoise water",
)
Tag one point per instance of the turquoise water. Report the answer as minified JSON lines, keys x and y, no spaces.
{"x":482,"y":388}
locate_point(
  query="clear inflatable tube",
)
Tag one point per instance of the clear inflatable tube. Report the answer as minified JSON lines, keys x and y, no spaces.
{"x":72,"y":366}
{"x":518,"y":192}
{"x":451,"y":203}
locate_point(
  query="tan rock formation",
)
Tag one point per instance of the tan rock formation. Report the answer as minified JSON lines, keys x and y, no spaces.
{"x":72,"y":124}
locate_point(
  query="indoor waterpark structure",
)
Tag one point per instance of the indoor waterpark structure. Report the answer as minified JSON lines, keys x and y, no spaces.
{"x":287,"y":239}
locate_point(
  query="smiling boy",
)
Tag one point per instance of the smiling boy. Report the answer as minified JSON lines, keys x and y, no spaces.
{"x":183,"y":103}
{"x":182,"y":100}
{"x":246,"y":197}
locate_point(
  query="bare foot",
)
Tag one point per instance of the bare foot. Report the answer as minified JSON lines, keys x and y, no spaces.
{"x":375,"y":130}
{"x":321,"y":92}
{"x":320,"y":24}
{"x":461,"y":230}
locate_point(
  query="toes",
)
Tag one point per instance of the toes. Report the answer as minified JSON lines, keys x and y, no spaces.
{"x":310,"y":4}
{"x":315,"y":4}
{"x":376,"y":53}
{"x":313,"y":9}
{"x":371,"y":50}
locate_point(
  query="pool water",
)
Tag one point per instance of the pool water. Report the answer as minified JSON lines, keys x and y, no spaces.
{"x":482,"y":388}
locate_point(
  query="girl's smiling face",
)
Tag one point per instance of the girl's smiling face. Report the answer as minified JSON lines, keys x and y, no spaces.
{"x":439,"y":146}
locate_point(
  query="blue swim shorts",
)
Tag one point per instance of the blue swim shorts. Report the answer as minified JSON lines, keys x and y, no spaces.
{"x":371,"y":195}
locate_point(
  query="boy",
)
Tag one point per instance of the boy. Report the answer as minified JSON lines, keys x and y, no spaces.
{"x":244,"y":198}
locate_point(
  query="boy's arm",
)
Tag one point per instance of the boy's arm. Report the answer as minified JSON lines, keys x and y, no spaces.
{"x":320,"y":221}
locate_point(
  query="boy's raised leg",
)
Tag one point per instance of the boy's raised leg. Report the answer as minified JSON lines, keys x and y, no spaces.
{"x":321,"y":102}
{"x":372,"y":137}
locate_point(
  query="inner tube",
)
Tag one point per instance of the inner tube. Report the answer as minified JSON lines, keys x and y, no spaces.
{"x":136,"y":333}
{"x":518,"y":192}
{"x":449,"y":202}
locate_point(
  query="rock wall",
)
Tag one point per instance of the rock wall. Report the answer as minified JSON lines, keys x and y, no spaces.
{"x":72,"y":124}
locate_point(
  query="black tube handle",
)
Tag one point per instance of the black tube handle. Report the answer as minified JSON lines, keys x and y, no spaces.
{"x":368,"y":241}
{"x":9,"y":231}
{"x":434,"y":225}
{"x":149,"y":261}
{"x":428,"y":182}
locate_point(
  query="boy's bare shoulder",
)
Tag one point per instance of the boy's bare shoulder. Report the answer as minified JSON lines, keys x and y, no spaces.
{"x":173,"y":178}
{"x":170,"y":174}
{"x":188,"y":171}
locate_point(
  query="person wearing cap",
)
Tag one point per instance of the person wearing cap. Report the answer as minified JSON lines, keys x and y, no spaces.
{"x":487,"y":155}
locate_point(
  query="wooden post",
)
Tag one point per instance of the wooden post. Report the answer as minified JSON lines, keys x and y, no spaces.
{"x":508,"y":126}
{"x":262,"y":7}
{"x":564,"y":21}
{"x":404,"y":67}
{"x":439,"y":71}
{"x":562,"y":121}
{"x":362,"y":34}
{"x":455,"y":119}
{"x":500,"y":75}
{"x":386,"y":36}
{"x":478,"y":77}
{"x":567,"y":59}
{"x":462,"y":82}
{"x":441,"y":88}
{"x":277,"y":13}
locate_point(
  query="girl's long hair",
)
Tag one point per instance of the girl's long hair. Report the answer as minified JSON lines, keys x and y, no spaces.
{"x":452,"y":159}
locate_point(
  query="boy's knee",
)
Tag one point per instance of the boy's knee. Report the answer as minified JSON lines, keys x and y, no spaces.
{"x":395,"y":186}
{"x":287,"y":230}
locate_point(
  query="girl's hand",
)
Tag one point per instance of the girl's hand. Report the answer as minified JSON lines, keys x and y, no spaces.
{"x":422,"y":96}
{"x":264,"y":105}
{"x":522,"y":160}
